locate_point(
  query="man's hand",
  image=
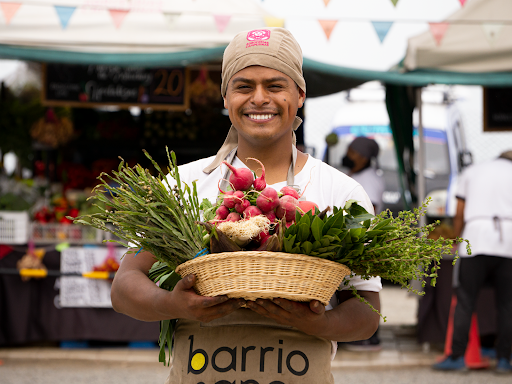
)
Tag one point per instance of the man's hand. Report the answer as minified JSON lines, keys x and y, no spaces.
{"x":189,"y":305}
{"x":307,"y":317}
{"x":351,"y":320}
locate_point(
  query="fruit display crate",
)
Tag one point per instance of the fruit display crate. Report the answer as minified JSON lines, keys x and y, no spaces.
{"x":14,"y":227}
{"x":52,"y":233}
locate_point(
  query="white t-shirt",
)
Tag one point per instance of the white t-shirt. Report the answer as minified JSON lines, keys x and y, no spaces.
{"x":323,"y":185}
{"x":373,"y":184}
{"x":327,"y":187}
{"x":487,"y":191}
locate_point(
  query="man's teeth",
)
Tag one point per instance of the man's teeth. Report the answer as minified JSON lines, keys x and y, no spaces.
{"x":260,"y":117}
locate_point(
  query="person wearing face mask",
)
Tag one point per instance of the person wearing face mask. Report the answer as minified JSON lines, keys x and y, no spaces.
{"x":360,"y":160}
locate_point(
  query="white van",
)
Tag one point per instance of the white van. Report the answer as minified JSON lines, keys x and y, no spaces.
{"x":365,"y":114}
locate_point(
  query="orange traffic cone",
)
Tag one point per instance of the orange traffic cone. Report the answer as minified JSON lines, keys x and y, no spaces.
{"x":473,"y":356}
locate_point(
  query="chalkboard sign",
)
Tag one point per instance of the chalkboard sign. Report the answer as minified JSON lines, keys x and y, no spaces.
{"x":99,"y":85}
{"x":497,"y":109}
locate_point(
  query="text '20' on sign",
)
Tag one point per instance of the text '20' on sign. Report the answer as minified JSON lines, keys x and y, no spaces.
{"x":98,"y":85}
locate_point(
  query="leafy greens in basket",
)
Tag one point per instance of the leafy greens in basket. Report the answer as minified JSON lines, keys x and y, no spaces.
{"x":163,"y":217}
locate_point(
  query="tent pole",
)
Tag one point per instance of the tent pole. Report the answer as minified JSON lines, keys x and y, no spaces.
{"x":421,"y":155}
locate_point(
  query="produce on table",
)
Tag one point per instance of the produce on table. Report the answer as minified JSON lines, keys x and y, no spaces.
{"x":162,"y":215}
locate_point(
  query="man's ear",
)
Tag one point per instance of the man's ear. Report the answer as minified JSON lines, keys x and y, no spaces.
{"x":302,"y":97}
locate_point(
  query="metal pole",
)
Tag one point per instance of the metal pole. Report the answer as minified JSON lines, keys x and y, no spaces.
{"x":421,"y":155}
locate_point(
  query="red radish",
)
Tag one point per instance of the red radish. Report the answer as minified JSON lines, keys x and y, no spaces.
{"x":233,"y":198}
{"x":251,"y":211}
{"x":259,"y":183}
{"x":233,"y":216}
{"x":241,"y":206}
{"x":229,"y":200}
{"x":262,"y":237}
{"x":271,"y":215}
{"x":267,"y":200}
{"x":241,"y":178}
{"x":287,"y":207}
{"x":289,"y":191}
{"x":221,"y":213}
{"x":306,"y":206}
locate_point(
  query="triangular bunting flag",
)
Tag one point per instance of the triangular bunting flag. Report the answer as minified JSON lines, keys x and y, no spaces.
{"x":9,"y":10}
{"x":326,"y":2}
{"x":394,"y":2}
{"x":492,"y":31}
{"x":118,"y":16}
{"x":328,"y":26}
{"x":221,"y":21}
{"x":382,"y":28}
{"x":171,"y":18}
{"x":274,"y":22}
{"x":462,"y":2}
{"x":438,"y":30}
{"x":64,"y":14}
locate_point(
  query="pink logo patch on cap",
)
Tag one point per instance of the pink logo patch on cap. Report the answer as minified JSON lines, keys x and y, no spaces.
{"x":257,"y":37}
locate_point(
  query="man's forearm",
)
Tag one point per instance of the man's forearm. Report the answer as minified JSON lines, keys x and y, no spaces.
{"x":135,"y":295}
{"x":351,"y":320}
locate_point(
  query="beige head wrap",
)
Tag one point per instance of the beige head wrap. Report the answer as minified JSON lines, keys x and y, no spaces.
{"x":274,"y":48}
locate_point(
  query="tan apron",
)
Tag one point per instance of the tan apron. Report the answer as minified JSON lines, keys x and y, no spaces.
{"x":247,"y":348}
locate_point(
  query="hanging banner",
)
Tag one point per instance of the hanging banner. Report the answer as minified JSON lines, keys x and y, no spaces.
{"x":438,"y":30}
{"x":326,"y":2}
{"x":9,"y":10}
{"x":118,"y":16}
{"x":462,"y":2}
{"x":382,"y":28}
{"x":328,"y":26}
{"x":394,"y":2}
{"x":91,"y":86}
{"x":274,"y":22}
{"x":497,"y":112}
{"x":492,"y":31}
{"x":221,"y":21}
{"x":64,"y":14}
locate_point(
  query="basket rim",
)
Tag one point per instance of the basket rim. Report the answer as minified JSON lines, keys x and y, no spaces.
{"x":260,"y":254}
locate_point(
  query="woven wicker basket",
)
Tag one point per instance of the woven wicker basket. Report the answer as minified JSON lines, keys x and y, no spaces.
{"x":252,"y":275}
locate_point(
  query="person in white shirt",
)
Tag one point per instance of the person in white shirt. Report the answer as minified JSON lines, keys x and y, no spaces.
{"x":484,"y":217}
{"x":273,"y":340}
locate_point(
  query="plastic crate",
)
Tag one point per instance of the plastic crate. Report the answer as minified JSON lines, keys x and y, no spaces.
{"x":14,"y":227}
{"x":52,"y":233}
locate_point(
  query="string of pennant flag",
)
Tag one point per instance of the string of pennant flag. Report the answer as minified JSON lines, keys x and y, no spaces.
{"x":438,"y":30}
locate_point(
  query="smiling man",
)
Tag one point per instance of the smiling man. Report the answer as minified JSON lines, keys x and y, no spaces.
{"x":271,"y":341}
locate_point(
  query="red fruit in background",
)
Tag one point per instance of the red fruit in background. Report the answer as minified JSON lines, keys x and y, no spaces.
{"x":74,"y":212}
{"x":65,"y":220}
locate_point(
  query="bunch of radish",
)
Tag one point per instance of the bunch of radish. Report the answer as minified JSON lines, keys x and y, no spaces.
{"x":251,"y":197}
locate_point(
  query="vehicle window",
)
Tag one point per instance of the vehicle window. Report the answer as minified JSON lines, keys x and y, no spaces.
{"x":436,"y":149}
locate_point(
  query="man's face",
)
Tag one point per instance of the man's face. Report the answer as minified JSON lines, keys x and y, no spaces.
{"x":262,"y":104}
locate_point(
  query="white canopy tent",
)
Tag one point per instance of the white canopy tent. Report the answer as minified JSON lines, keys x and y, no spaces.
{"x":121,"y":26}
{"x":476,"y":39}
